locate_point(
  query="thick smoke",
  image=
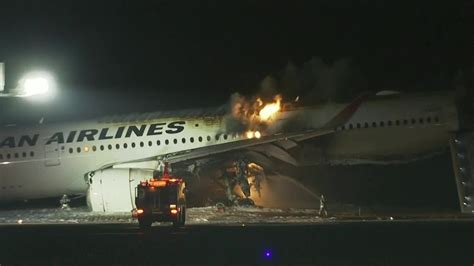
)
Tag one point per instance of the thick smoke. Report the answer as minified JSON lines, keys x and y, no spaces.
{"x":240,"y":115}
{"x":317,"y":81}
{"x":313,"y":82}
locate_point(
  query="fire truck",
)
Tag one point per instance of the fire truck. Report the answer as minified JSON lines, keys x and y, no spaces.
{"x":160,"y":199}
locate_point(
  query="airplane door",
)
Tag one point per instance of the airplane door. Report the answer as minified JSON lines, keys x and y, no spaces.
{"x":51,"y":154}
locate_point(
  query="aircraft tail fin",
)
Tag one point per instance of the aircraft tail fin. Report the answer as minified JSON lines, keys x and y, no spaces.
{"x":343,"y":116}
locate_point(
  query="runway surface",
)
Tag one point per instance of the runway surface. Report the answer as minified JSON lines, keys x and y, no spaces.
{"x":448,"y":242}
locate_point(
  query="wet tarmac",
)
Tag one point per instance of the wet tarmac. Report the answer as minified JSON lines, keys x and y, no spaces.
{"x":447,"y":242}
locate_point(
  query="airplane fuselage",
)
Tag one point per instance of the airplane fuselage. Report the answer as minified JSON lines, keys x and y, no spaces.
{"x":52,"y":160}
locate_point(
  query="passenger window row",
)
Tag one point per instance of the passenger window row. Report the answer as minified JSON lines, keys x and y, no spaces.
{"x":389,"y":123}
{"x":142,"y":144}
{"x":117,"y":146}
{"x":16,"y":155}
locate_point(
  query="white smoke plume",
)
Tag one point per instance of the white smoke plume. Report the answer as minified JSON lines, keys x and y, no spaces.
{"x":316,"y":81}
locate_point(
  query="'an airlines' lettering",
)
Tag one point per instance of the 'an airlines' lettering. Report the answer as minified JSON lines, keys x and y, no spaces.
{"x":31,"y":141}
{"x":135,"y":130}
{"x":97,"y":134}
{"x":8,"y":142}
{"x":155,"y":129}
{"x":103,"y":134}
{"x":57,"y":137}
{"x":87,"y":134}
{"x":175,"y":127}
{"x":119,"y":132}
{"x":72,"y":135}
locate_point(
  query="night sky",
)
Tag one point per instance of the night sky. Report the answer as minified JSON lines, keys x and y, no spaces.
{"x":118,"y":57}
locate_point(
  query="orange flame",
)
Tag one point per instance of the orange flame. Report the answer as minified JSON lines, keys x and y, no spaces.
{"x":254,"y":114}
{"x":270,"y":109}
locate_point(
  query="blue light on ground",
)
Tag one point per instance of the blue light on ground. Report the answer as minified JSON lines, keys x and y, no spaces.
{"x":268,"y":254}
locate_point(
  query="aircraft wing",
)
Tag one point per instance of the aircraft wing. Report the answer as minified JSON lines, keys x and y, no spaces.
{"x":288,"y":138}
{"x":330,"y":127}
{"x":199,"y":153}
{"x":237,"y":145}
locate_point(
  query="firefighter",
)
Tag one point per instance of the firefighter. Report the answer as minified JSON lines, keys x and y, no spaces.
{"x":163,"y":166}
{"x":64,"y":202}
{"x":323,"y":212}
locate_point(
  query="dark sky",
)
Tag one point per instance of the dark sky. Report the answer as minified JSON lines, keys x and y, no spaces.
{"x":116,"y":57}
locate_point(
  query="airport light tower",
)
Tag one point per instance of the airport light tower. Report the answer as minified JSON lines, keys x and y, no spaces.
{"x":32,"y":84}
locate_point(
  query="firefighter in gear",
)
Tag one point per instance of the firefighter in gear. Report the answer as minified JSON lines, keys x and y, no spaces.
{"x":323,"y":212}
{"x":163,"y":166}
{"x":64,"y":202}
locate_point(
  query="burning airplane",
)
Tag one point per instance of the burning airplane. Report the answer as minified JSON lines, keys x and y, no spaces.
{"x":105,"y":158}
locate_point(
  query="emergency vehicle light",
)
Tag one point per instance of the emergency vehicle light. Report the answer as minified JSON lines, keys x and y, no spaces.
{"x":158,"y":183}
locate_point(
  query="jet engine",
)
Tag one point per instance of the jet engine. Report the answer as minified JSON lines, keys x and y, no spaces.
{"x":113,"y":190}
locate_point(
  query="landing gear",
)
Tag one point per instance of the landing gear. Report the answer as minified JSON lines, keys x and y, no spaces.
{"x":245,"y":202}
{"x":180,"y":217}
{"x":145,"y":222}
{"x":323,"y":211}
{"x":239,"y":175}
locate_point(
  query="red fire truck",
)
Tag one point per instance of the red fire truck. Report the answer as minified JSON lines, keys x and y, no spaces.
{"x":160,"y":199}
